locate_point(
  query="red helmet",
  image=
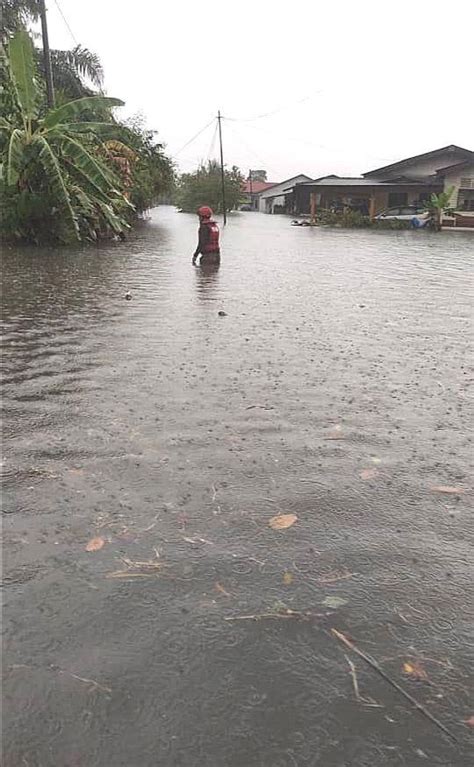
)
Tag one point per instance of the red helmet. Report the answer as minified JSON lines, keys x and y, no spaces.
{"x":204,"y":212}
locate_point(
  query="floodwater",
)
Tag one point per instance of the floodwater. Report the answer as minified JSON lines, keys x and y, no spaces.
{"x":335,"y":389}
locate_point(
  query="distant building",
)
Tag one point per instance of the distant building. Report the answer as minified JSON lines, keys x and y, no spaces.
{"x":279,"y":197}
{"x":408,"y":182}
{"x":251,"y":191}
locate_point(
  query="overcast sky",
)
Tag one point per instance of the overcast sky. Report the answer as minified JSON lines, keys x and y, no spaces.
{"x":346,"y":86}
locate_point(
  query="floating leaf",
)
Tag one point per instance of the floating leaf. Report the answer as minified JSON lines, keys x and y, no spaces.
{"x":448,"y":489}
{"x":282,"y":521}
{"x":334,"y":602}
{"x":222,"y":590}
{"x":95,"y":544}
{"x":415,"y":670}
{"x":376,"y":460}
{"x":368,"y":473}
{"x":287,"y":578}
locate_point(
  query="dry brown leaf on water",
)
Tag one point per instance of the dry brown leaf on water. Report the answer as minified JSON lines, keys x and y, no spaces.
{"x":368,"y":473}
{"x":79,"y":472}
{"x":287,"y":578}
{"x":95,"y":544}
{"x":470,"y":721}
{"x":221,"y":589}
{"x":448,"y":489}
{"x":282,"y":521}
{"x":415,"y":670}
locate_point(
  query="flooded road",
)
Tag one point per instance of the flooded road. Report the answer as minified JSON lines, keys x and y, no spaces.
{"x":165,"y":438}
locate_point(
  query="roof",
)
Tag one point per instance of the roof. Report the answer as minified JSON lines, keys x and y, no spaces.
{"x":451,"y":148}
{"x":283,"y":186}
{"x":458,"y":165}
{"x":356,"y":181}
{"x":257,"y":186}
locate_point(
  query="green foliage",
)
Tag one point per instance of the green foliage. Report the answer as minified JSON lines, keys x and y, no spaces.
{"x":22,"y":66}
{"x":391,"y":224}
{"x":52,"y":180}
{"x":350,"y":219}
{"x":439,"y":205}
{"x":73,"y":172}
{"x":153,"y":174}
{"x":15,"y":14}
{"x":204,"y":187}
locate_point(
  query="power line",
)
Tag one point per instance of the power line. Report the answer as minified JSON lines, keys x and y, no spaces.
{"x":259,"y":159}
{"x":275,"y":111}
{"x":66,"y":22}
{"x":211,"y":148}
{"x":193,"y":138}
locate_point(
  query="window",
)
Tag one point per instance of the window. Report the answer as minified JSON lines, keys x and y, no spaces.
{"x":467,"y":183}
{"x":466,"y":201}
{"x":397,"y":198}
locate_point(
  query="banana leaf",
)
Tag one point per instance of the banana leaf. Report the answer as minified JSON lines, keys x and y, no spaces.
{"x":73,"y":109}
{"x":56,"y":182}
{"x":22,"y":67}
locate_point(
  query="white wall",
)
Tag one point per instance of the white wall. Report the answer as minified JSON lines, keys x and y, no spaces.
{"x":453,"y":178}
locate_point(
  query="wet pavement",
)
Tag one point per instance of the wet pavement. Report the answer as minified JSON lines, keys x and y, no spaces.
{"x":165,"y":438}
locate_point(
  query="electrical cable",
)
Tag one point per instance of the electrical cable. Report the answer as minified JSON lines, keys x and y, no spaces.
{"x":275,"y":111}
{"x":193,"y":138}
{"x":213,"y":141}
{"x":259,"y":159}
{"x":66,"y":23}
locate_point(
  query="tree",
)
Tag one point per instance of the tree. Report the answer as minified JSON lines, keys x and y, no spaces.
{"x":438,"y":205}
{"x":153,"y":174}
{"x":73,"y":71}
{"x":57,"y":182}
{"x":15,"y":14}
{"x":204,"y":187}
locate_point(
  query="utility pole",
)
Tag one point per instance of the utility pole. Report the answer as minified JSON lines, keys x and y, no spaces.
{"x":46,"y":54}
{"x":251,"y":190}
{"x":222,"y":168}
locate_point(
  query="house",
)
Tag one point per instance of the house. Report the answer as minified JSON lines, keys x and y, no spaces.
{"x":459,"y":178}
{"x":251,"y":191}
{"x":279,"y":197}
{"x":407,"y":182}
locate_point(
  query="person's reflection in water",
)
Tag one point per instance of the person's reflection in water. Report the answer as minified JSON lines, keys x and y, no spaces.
{"x":207,"y":279}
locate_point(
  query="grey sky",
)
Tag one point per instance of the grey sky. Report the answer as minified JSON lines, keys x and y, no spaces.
{"x":354,"y":85}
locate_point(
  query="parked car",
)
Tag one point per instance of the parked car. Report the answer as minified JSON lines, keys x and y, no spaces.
{"x":404,"y":213}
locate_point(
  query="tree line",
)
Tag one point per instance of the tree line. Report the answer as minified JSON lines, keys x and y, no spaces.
{"x":77,"y":172}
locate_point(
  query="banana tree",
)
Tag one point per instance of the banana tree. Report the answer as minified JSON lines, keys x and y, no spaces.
{"x":438,"y":205}
{"x":55,"y":157}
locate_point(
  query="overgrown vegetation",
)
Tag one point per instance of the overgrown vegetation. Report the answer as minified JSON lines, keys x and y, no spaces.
{"x":73,"y":172}
{"x":439,"y":205}
{"x":204,"y":187}
{"x":350,"y":219}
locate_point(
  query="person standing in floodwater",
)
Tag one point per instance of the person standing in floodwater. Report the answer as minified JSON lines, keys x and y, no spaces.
{"x":208,"y":243}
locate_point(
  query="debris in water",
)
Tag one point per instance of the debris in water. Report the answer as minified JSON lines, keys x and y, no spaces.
{"x":334,"y":602}
{"x":448,"y":489}
{"x":221,"y":313}
{"x":222,"y":590}
{"x":282,"y":521}
{"x":95,"y":544}
{"x":360,"y":699}
{"x":470,"y":721}
{"x":373,"y":664}
{"x":368,"y":473}
{"x":128,"y":296}
{"x":287,"y":578}
{"x":415,"y":670}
